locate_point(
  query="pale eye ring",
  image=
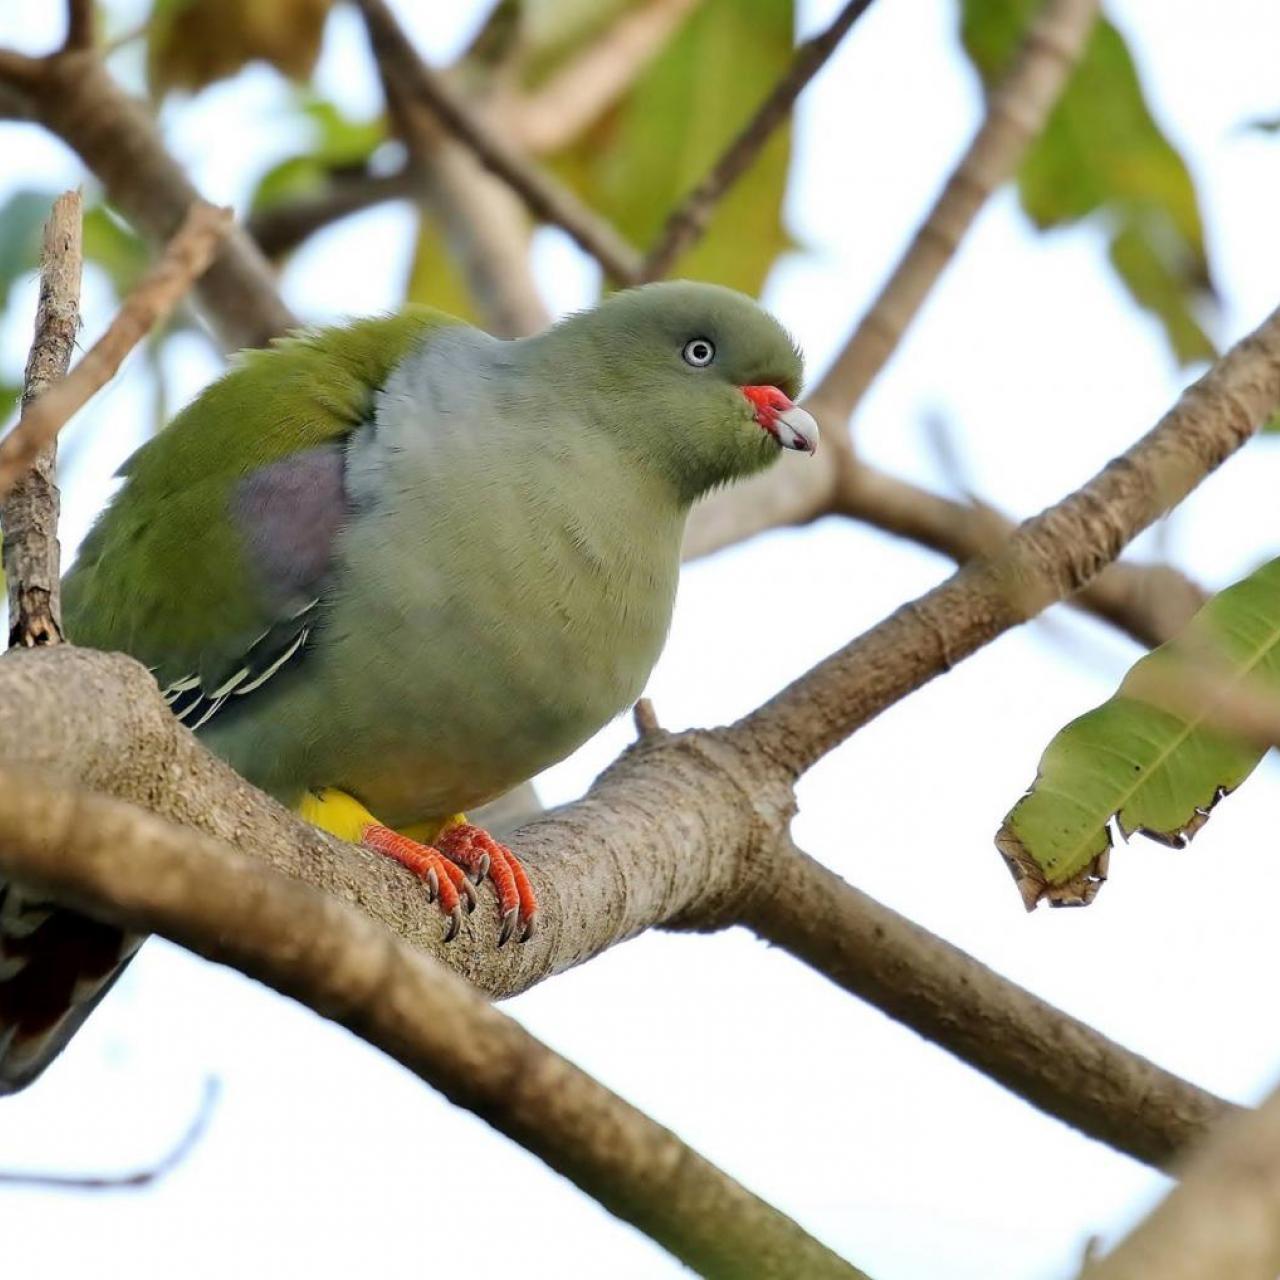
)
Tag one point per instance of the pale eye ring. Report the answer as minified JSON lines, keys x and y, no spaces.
{"x":699,"y":352}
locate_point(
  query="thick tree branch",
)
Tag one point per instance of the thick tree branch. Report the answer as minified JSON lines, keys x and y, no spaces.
{"x":1048,"y":558}
{"x":545,"y":198}
{"x":551,"y":116}
{"x":1016,"y":112}
{"x":1055,"y":1062}
{"x":29,"y":514}
{"x":1221,"y":1221}
{"x":117,"y":862}
{"x":684,"y":831}
{"x":74,"y":96}
{"x":687,"y":222}
{"x":185,"y":258}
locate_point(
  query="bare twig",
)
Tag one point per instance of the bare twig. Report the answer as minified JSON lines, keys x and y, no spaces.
{"x":1222,"y":1219}
{"x":74,"y":96}
{"x":285,"y":226}
{"x":136,"y":1179}
{"x":545,"y":198}
{"x":554,"y":114}
{"x":1016,"y":112}
{"x":646,"y":719}
{"x":119,"y":862}
{"x":80,"y":25}
{"x":1050,"y":1059}
{"x":689,"y":220}
{"x":29,"y":515}
{"x":1048,"y":558}
{"x":186,"y":257}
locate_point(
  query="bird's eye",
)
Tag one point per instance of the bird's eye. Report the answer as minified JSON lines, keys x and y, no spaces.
{"x":699,"y":352}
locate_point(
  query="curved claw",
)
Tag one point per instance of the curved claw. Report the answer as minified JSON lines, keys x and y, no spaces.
{"x":469,"y":898}
{"x":530,"y":929}
{"x":433,"y":885}
{"x":455,"y":923}
{"x":509,"y":919}
{"x":481,"y":869}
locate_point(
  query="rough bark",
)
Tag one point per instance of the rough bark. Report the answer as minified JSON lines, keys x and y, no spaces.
{"x":29,"y":512}
{"x":1222,"y":1220}
{"x":116,"y":861}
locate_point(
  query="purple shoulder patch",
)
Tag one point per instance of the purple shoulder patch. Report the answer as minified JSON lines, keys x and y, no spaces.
{"x":289,"y":513}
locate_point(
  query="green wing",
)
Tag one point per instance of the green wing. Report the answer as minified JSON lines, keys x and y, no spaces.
{"x":165,"y":573}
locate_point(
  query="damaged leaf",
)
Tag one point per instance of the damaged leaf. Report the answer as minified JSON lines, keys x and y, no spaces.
{"x":1157,"y":756}
{"x":1103,"y":156}
{"x":192,"y":43}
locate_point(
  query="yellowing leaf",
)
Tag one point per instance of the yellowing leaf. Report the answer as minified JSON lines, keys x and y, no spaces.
{"x":192,"y":43}
{"x":435,"y":279}
{"x":638,"y":161}
{"x":1156,"y":756}
{"x":1102,"y":153}
{"x":338,"y":143}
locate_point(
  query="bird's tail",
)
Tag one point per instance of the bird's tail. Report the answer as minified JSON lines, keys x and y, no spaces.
{"x":55,"y":965}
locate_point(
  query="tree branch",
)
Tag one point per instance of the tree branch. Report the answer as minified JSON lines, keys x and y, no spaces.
{"x":1053,"y":1061}
{"x":832,"y":481}
{"x":1150,"y":603}
{"x":74,"y":96}
{"x":29,"y":514}
{"x":685,"y":831}
{"x":186,"y":257}
{"x":554,"y":114}
{"x":283,"y":227}
{"x":687,"y":222}
{"x":80,"y":25}
{"x":112,"y":860}
{"x":1222,"y":1219}
{"x":17,"y":71}
{"x":1016,"y":112}
{"x":545,"y":197}
{"x":1048,"y":558}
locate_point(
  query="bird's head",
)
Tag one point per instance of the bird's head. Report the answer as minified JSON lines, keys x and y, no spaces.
{"x":694,"y":380}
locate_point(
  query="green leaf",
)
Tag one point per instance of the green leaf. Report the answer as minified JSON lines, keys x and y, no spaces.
{"x":21,"y":218}
{"x":1155,"y":756}
{"x":110,"y":243}
{"x":9,"y":393}
{"x":636,"y":163}
{"x":192,"y":43}
{"x":338,"y":143}
{"x":1102,"y":153}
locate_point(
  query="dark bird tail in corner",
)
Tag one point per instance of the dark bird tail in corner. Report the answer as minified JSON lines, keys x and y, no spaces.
{"x":55,"y":965}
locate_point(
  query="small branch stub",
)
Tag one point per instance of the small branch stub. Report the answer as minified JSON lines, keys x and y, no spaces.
{"x":29,"y":513}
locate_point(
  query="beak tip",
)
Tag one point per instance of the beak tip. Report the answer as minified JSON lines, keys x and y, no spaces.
{"x":798,"y":431}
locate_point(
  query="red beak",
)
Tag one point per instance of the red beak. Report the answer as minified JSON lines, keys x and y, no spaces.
{"x":784,"y":420}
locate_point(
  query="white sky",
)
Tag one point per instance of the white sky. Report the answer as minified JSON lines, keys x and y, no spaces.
{"x":324,"y":1155}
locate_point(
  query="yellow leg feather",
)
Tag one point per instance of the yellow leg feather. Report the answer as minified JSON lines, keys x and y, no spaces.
{"x":342,"y":815}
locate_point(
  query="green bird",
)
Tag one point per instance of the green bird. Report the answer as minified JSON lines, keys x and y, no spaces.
{"x":392,"y":569}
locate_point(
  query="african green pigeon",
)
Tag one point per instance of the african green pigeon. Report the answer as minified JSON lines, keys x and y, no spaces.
{"x":389,"y":570}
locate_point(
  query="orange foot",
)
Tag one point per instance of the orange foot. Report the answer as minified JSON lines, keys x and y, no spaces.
{"x":461,"y":854}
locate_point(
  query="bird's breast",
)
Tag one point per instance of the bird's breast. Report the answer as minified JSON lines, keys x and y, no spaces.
{"x":496,"y":626}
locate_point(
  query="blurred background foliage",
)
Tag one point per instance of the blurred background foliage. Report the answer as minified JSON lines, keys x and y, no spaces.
{"x":1102,"y":157}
